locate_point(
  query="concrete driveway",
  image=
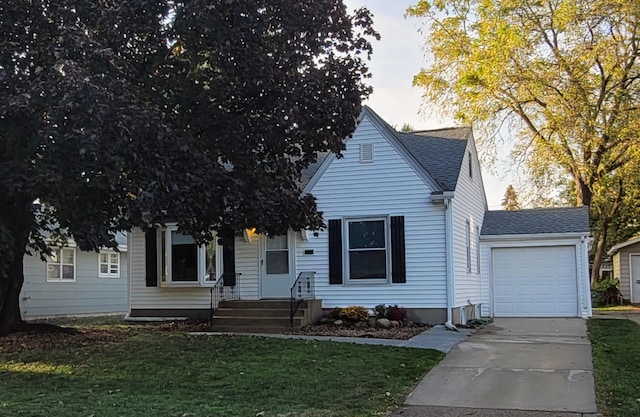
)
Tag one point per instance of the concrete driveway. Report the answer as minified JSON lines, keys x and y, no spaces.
{"x":515,"y":364}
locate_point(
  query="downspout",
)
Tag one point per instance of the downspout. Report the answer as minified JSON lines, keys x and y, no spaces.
{"x":448,"y":232}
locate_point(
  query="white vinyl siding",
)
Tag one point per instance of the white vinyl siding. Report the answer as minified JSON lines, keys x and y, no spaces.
{"x":469,"y":205}
{"x":88,"y":294}
{"x":386,"y":187}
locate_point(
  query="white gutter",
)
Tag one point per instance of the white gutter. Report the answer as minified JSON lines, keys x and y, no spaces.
{"x":448,"y":227}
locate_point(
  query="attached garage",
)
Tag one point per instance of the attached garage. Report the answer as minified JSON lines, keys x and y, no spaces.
{"x":536,"y":263}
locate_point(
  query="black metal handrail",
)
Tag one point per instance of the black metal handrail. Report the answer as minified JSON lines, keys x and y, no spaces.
{"x":221,"y":291}
{"x":304,"y":288}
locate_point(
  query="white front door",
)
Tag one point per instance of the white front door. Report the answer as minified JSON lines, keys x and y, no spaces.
{"x":634,"y":266}
{"x":277,"y":272}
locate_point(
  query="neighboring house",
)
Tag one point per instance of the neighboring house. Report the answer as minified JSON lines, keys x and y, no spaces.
{"x":72,"y":282}
{"x":626,"y":267}
{"x":404,"y":215}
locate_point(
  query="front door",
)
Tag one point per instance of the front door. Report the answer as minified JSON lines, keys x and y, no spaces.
{"x":634,"y":265}
{"x":277,"y":273}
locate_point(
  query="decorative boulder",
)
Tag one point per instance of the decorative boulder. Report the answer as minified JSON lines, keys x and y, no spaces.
{"x":395,"y":323}
{"x":324,"y":320}
{"x":372,"y":322}
{"x":360,"y":324}
{"x":338,"y":323}
{"x":383,"y":323}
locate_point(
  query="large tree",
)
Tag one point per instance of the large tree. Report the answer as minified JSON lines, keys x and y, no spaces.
{"x":510,"y":200}
{"x":563,"y":74}
{"x":118,"y":113}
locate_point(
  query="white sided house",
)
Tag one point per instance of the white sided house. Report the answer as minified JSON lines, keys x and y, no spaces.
{"x":404,"y":215}
{"x":72,"y":282}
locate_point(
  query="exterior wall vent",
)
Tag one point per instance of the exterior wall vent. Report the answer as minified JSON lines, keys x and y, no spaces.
{"x":366,"y":153}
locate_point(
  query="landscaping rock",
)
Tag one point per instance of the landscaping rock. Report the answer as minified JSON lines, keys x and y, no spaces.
{"x":372,"y":322}
{"x":338,"y":323}
{"x":360,"y":324}
{"x":383,"y":323}
{"x":395,"y":324}
{"x":323,"y":320}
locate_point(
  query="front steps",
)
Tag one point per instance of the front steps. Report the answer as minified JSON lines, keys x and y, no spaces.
{"x":263,"y":316}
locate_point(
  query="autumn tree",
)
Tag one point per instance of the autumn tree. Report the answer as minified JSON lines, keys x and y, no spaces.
{"x":562,"y":74}
{"x":510,"y":200}
{"x":117,"y":114}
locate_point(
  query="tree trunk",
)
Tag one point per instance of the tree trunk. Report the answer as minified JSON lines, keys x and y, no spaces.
{"x":598,"y":255}
{"x":584,"y":194}
{"x":11,"y":280}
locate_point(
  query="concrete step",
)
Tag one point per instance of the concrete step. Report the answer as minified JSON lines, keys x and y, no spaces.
{"x":256,"y":312}
{"x":256,"y":321}
{"x":256,"y":304}
{"x":252,"y":329}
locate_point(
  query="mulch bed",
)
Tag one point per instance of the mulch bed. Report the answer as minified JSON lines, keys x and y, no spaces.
{"x":397,"y":333}
{"x":89,"y":335}
{"x":18,"y":342}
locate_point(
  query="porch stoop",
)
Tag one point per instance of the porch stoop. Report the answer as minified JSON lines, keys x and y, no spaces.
{"x":263,"y":316}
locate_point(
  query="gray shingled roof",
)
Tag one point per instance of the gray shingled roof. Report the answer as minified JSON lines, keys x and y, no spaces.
{"x":439,"y":152}
{"x":536,"y":221}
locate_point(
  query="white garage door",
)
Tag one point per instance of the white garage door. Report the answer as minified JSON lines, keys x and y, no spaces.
{"x":535,"y":282}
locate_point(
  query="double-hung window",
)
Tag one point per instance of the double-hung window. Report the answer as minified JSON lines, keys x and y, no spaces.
{"x":182,"y":262}
{"x":109,"y":264}
{"x":61,"y":265}
{"x":367,"y":249}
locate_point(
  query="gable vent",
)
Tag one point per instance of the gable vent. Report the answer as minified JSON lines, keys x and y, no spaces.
{"x":366,"y":152}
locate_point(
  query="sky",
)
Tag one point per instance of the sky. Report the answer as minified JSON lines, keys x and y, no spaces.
{"x":396,"y":58}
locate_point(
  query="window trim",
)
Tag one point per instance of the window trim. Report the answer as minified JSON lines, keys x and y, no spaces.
{"x":387,"y":248}
{"x":109,"y":274}
{"x":164,"y":260}
{"x":61,"y":264}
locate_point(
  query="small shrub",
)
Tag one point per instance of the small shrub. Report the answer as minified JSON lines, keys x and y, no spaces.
{"x":606,"y":292}
{"x":332,"y":314}
{"x":391,"y":312}
{"x":380,"y":311}
{"x":396,"y":313}
{"x":354,"y":313}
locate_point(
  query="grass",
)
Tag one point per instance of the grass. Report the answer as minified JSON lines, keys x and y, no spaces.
{"x":151,"y":373}
{"x":616,"y":353}
{"x":628,"y":307}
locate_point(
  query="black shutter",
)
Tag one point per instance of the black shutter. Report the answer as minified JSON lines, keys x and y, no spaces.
{"x":398,"y":269}
{"x":335,"y":251}
{"x":229,"y":260}
{"x":151,"y":257}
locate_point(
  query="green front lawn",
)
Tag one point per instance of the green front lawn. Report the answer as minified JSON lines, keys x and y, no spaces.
{"x":151,"y":373}
{"x":616,"y":362}
{"x":623,"y":308}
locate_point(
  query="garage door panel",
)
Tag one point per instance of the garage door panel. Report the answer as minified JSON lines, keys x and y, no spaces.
{"x":534,"y":281}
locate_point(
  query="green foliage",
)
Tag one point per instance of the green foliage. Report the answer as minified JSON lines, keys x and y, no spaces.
{"x":606,"y":292}
{"x":563,"y":77}
{"x":616,"y":347}
{"x":354,"y":313}
{"x":150,"y":374}
{"x":390,"y":312}
{"x":129,"y":113}
{"x":510,"y":200}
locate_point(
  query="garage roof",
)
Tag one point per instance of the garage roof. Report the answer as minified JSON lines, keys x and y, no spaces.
{"x":536,"y":221}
